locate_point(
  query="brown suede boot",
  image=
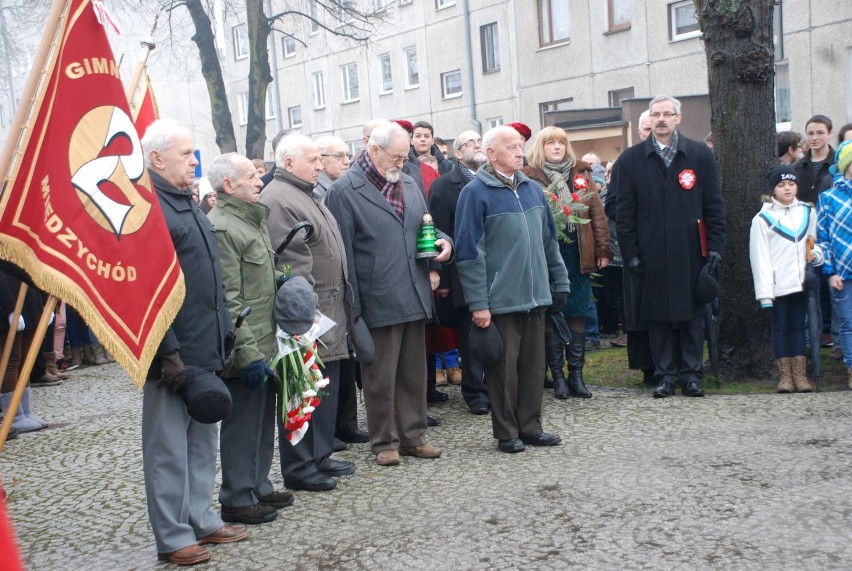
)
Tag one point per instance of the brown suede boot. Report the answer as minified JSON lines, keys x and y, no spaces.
{"x":785,"y":375}
{"x":77,"y":356}
{"x":800,"y":375}
{"x":50,"y":362}
{"x":101,"y":355}
{"x":91,"y":357}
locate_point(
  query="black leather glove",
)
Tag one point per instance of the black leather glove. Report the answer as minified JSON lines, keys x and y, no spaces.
{"x":254,"y":375}
{"x":560,"y":298}
{"x":634,"y":266}
{"x":230,"y":339}
{"x":172,"y":372}
{"x":714,"y":260}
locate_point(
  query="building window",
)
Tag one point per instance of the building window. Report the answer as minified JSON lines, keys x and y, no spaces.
{"x":244,"y":108}
{"x":343,"y":11}
{"x":412,"y":79}
{"x":295,"y":114}
{"x":553,"y":22}
{"x":618,"y":15}
{"x":270,"y":102}
{"x":778,"y":31}
{"x":616,"y":96}
{"x":490,"y":44}
{"x":494,"y":122}
{"x":782,"y":94}
{"x":387,"y":73}
{"x":313,"y":17}
{"x":353,"y":146}
{"x":557,"y":105}
{"x":381,"y":5}
{"x":444,"y":4}
{"x":319,"y":90}
{"x":241,"y":48}
{"x":683,"y":21}
{"x":451,"y":85}
{"x":288,"y":46}
{"x":350,"y":82}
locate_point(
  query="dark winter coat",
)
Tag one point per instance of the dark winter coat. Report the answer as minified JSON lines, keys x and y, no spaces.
{"x":443,"y":197}
{"x":657,"y":220}
{"x":811,"y":186}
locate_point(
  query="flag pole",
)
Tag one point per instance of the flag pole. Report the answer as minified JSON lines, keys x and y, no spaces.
{"x":13,"y":329}
{"x":148,"y":46}
{"x":27,"y":368}
{"x":22,"y":121}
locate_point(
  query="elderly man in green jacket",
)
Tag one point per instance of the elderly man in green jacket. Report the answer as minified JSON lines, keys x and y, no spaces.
{"x":247,"y":437}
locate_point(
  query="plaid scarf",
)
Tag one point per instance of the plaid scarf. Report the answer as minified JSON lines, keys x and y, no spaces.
{"x":489,"y":168}
{"x":391,"y":191}
{"x":667,"y":153}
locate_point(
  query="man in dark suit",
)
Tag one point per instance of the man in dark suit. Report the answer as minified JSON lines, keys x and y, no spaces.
{"x":380,"y":210}
{"x":443,"y":196}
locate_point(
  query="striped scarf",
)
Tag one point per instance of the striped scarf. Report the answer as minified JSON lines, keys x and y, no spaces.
{"x":391,"y":191}
{"x":667,"y":153}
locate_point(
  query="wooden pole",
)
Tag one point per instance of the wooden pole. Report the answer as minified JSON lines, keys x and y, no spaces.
{"x":22,"y":122}
{"x":13,"y":329}
{"x":147,"y":46}
{"x":27,"y":368}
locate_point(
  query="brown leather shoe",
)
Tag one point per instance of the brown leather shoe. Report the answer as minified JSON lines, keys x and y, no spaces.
{"x":387,"y":457}
{"x":226,"y":534}
{"x":189,"y":555}
{"x":422,"y":451}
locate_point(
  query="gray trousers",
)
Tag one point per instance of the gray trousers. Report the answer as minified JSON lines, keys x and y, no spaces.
{"x":395,"y":387}
{"x":247,"y":444}
{"x":312,"y":452}
{"x":179,"y":464}
{"x":514,"y":384}
{"x":677,"y":348}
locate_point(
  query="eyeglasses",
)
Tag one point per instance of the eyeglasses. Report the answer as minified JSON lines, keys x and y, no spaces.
{"x":472,"y":143}
{"x":338,"y":156}
{"x":397,"y":159}
{"x":666,"y":114}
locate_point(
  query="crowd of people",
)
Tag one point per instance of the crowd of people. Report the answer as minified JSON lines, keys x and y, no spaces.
{"x":522,"y":226}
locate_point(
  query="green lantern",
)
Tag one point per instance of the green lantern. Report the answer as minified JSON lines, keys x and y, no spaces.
{"x":426,"y":239}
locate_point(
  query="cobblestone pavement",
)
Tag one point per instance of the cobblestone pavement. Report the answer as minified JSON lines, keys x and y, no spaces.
{"x":742,"y":482}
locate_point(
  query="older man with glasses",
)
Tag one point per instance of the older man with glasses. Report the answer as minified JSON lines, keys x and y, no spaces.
{"x":334,"y":156}
{"x":380,"y":210}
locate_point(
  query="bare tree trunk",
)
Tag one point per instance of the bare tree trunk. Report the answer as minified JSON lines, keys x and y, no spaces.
{"x":212,"y":72}
{"x":259,"y":79}
{"x":740,"y":65}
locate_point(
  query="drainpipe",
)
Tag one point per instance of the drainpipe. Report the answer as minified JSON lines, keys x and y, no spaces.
{"x":468,"y":44}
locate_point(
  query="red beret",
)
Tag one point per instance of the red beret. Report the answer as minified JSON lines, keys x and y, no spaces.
{"x":522,"y":129}
{"x":405,"y":125}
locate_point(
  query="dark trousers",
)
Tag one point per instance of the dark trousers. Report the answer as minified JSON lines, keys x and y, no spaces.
{"x":311,"y":453}
{"x":514,"y":384}
{"x":788,"y":325}
{"x":347,"y":399}
{"x":677,"y":349}
{"x":473,"y":387}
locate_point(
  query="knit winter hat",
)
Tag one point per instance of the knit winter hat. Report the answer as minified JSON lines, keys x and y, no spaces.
{"x":843,"y":158}
{"x":599,"y":174}
{"x":779,"y":173}
{"x":295,"y":306}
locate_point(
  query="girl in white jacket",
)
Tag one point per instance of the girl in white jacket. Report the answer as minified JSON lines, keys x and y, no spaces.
{"x":777,"y":249}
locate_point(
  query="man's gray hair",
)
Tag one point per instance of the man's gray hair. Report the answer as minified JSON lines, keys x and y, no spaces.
{"x":290,"y":147}
{"x":384,"y":133}
{"x":496,"y":133}
{"x":160,"y":136}
{"x":222,"y":167}
{"x":329,"y":141}
{"x":457,"y":144}
{"x":661,"y":98}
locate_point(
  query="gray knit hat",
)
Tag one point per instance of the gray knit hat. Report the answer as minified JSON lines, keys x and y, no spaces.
{"x":295,"y":306}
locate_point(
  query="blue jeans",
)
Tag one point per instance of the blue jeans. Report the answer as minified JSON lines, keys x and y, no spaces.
{"x":593,"y":332}
{"x":843,"y":301}
{"x":788,"y":325}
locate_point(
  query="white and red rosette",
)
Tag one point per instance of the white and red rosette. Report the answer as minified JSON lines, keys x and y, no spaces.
{"x":687,"y":179}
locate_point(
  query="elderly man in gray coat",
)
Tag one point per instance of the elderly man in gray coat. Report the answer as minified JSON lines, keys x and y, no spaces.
{"x":380,"y":210}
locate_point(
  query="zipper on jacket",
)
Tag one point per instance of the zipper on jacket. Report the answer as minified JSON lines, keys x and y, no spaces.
{"x":529,"y":242}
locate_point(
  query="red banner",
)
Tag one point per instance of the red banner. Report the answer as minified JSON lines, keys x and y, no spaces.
{"x":77,"y":211}
{"x":145,"y":111}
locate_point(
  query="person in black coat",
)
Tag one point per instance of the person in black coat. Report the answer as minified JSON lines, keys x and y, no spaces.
{"x":668,"y":188}
{"x":443,"y":196}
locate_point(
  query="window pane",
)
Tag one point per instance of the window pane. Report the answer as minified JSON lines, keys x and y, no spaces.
{"x":387,"y":74}
{"x":560,"y":20}
{"x":544,"y":21}
{"x":619,"y":12}
{"x":411,"y":66}
{"x":451,"y":82}
{"x":295,"y":116}
{"x":319,"y":90}
{"x":782,"y":94}
{"x":686,"y":20}
{"x":490,"y":47}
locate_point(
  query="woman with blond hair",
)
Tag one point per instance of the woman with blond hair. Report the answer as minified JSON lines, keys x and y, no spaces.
{"x":583,"y":241}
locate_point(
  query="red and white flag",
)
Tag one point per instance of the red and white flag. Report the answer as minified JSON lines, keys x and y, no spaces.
{"x":144,"y":106}
{"x":77,"y":211}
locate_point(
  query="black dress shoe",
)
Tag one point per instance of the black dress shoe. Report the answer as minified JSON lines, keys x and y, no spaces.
{"x":432,"y":421}
{"x":338,"y":445}
{"x":479,"y":408}
{"x":434,"y":396}
{"x":692,"y":389}
{"x":337,"y":468}
{"x":278,"y":499}
{"x":354,"y":436}
{"x":543,"y":439}
{"x":664,"y":390}
{"x":258,"y":513}
{"x":316,"y":482}
{"x":510,"y":445}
